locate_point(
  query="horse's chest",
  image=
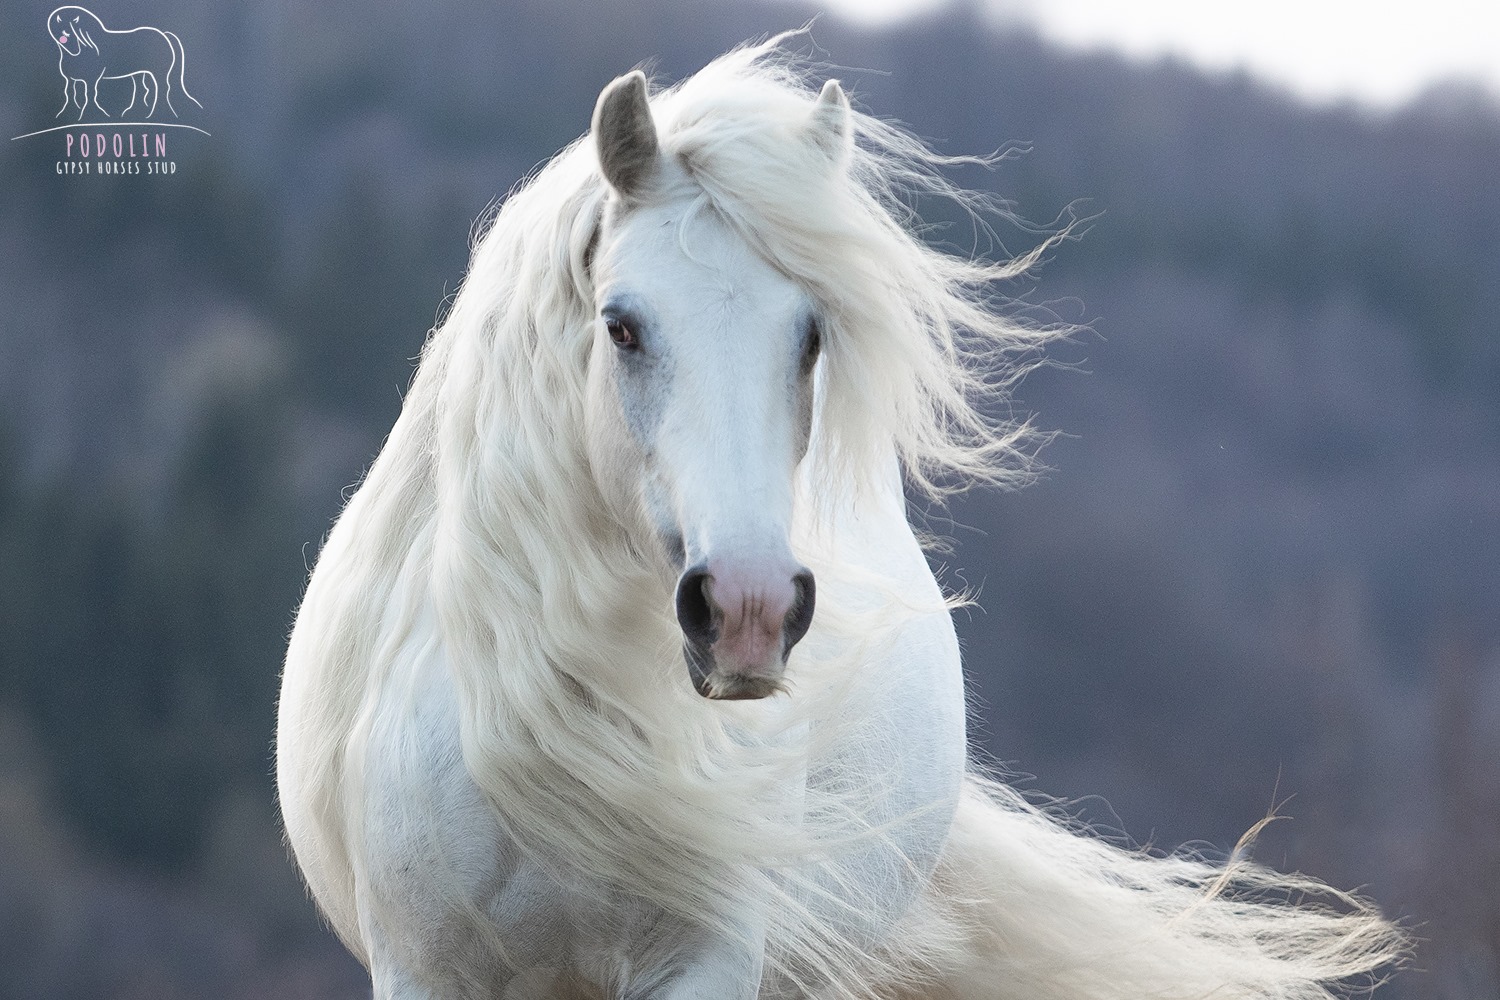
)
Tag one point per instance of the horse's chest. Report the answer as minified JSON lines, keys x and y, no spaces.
{"x":444,"y":888}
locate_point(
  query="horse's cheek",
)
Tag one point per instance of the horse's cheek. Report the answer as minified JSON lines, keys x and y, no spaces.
{"x":613,"y":450}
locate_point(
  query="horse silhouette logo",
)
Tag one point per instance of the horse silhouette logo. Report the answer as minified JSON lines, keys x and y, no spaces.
{"x":89,"y":53}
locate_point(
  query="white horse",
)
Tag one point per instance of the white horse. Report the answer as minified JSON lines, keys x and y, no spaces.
{"x":547,"y":728}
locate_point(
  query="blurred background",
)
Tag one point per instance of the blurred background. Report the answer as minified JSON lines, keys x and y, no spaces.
{"x":1265,"y":573}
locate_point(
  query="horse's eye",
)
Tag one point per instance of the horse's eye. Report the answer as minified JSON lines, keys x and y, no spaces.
{"x":620,"y":332}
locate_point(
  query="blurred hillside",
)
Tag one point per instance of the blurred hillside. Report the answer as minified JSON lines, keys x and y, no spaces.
{"x":1267,"y":565}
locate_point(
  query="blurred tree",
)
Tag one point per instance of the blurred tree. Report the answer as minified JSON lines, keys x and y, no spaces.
{"x":148,"y":657}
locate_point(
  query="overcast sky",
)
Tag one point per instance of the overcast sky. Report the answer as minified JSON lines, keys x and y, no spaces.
{"x":1380,"y":53}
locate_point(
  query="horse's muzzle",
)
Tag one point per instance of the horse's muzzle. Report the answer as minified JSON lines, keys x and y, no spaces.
{"x":739,"y":627}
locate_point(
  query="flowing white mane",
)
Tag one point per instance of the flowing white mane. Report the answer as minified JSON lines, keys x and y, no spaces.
{"x":480,"y":528}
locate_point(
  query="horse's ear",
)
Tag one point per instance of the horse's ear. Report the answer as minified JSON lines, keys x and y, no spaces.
{"x":625,"y":135}
{"x":831,"y":124}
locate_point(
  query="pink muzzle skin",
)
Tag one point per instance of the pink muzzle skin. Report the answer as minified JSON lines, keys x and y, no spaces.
{"x":739,"y":624}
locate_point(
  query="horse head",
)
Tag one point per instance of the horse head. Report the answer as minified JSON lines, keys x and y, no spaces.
{"x":701,"y":394}
{"x":72,"y":27}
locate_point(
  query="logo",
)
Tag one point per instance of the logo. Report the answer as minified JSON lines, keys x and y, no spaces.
{"x":122,"y":91}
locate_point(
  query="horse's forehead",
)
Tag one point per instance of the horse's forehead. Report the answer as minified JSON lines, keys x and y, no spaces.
{"x":684,"y":248}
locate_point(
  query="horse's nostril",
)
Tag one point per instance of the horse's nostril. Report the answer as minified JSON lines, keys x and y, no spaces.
{"x":695,"y":613}
{"x":800,"y":617}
